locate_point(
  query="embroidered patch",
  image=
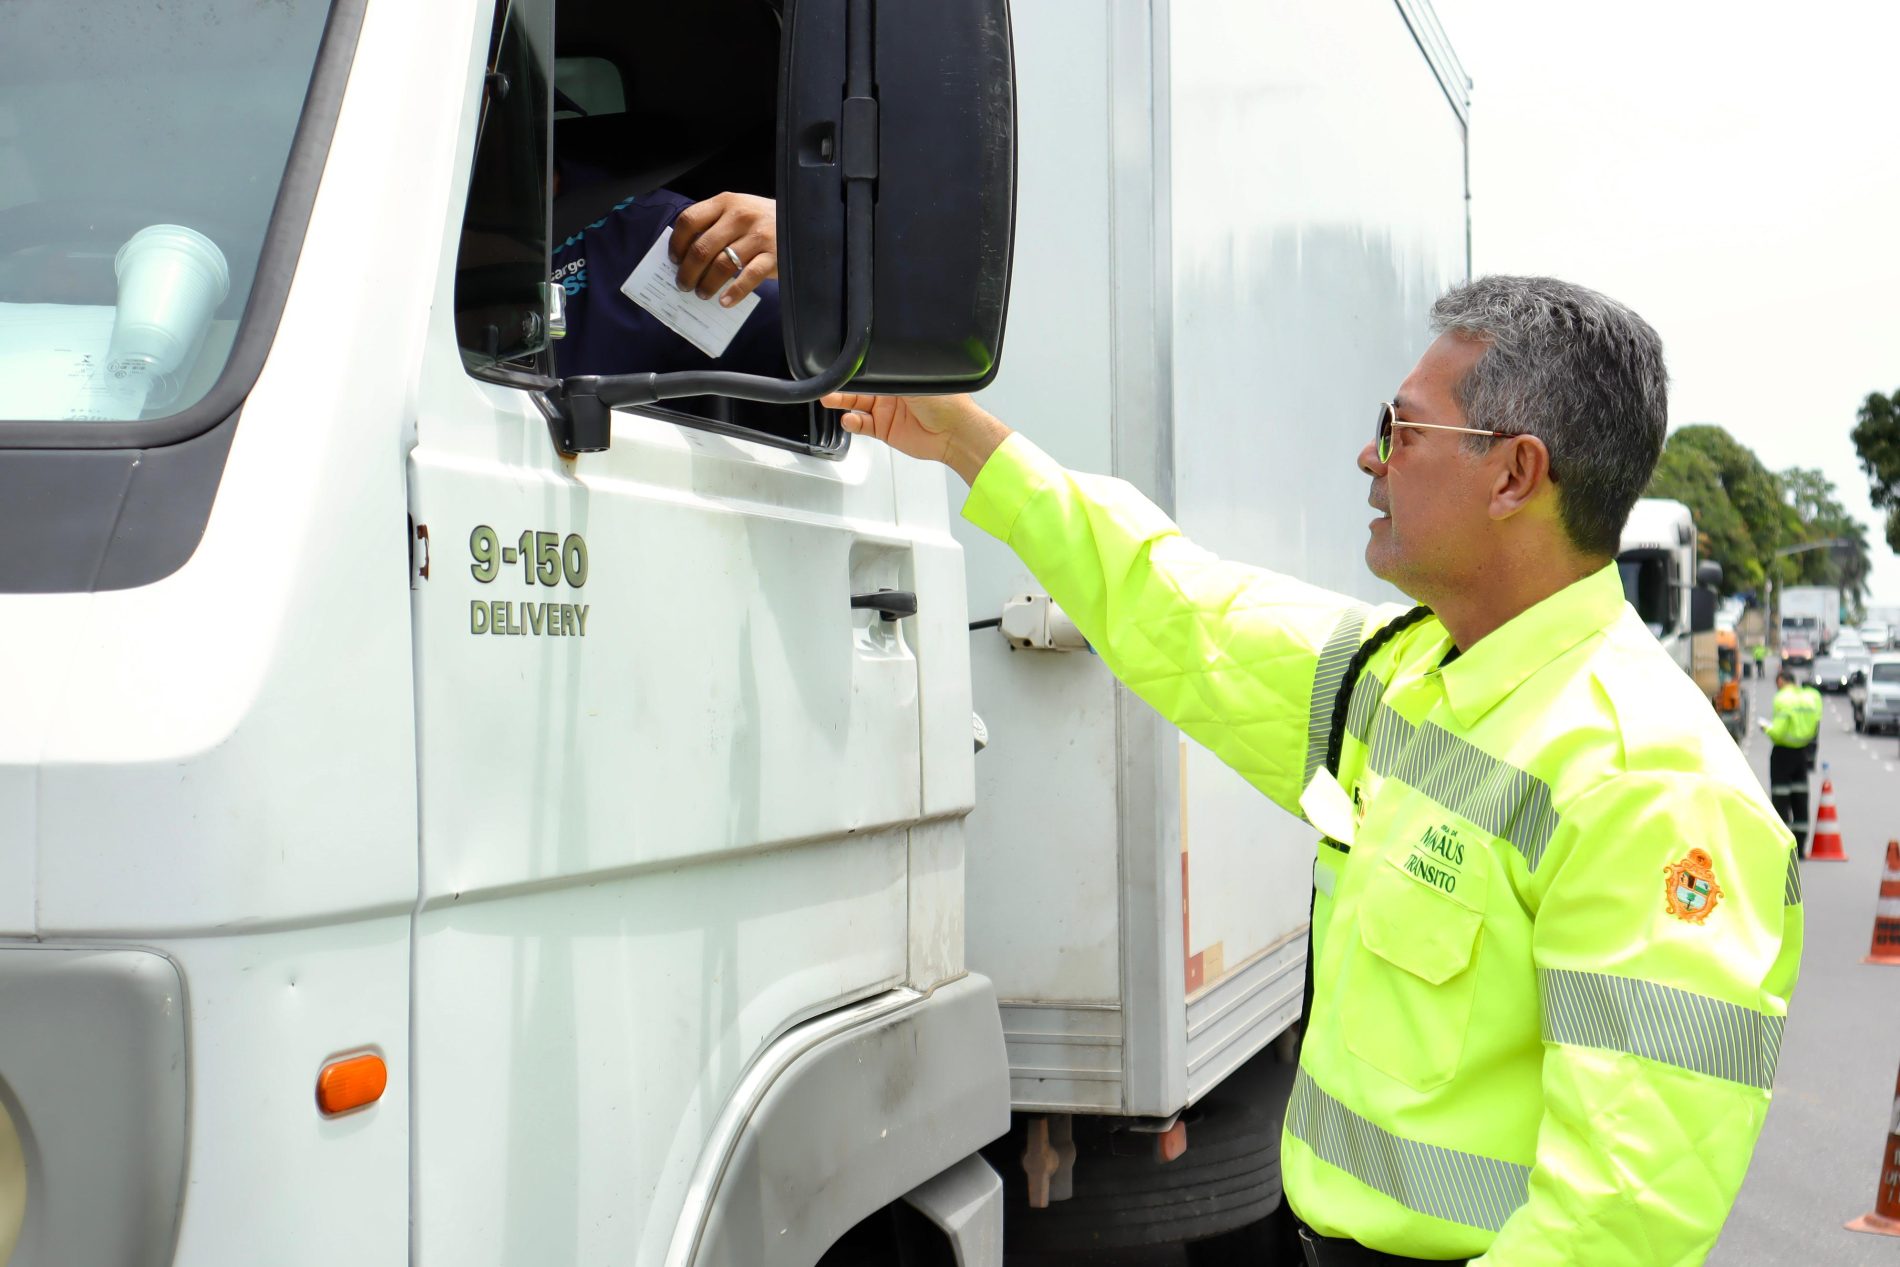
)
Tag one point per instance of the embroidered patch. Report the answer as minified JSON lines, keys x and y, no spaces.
{"x":1689,"y":887}
{"x":1437,"y":859}
{"x":1444,"y":843}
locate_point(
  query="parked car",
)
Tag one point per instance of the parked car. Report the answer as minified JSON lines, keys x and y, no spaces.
{"x":1877,"y":634}
{"x":1877,"y":704}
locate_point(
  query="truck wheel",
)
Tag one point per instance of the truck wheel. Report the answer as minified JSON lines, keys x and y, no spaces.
{"x":1271,"y":1240}
{"x":1125,"y":1198}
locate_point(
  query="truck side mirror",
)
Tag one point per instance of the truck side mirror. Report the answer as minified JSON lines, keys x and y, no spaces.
{"x":1701,"y":610}
{"x":1708,"y":575}
{"x":939,"y":138}
{"x":896,"y":211}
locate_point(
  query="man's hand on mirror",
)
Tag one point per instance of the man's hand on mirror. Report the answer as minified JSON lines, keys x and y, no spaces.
{"x":725,"y":236}
{"x":953,"y":430}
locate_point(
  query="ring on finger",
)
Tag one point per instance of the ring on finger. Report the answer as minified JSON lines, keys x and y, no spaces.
{"x":732,"y":256}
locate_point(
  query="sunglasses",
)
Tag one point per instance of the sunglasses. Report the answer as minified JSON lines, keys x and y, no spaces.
{"x":1388,"y":419}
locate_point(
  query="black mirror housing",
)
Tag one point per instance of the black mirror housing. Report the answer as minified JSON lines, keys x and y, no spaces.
{"x":1708,"y":574}
{"x":939,"y":139}
{"x":896,"y":213}
{"x":1701,"y":611}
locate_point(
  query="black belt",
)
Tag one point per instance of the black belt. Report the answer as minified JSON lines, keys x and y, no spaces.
{"x":1334,"y":1251}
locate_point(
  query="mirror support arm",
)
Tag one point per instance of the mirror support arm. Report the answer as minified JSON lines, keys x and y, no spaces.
{"x":592,"y":393}
{"x":583,"y":405}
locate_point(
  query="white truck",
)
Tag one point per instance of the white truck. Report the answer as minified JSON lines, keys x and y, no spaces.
{"x":1676,"y":597}
{"x":1811,"y":613}
{"x":1251,"y":291}
{"x":1662,"y":580}
{"x":455,"y":814}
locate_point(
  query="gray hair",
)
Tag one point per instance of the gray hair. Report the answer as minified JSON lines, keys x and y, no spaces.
{"x":1580,"y":372}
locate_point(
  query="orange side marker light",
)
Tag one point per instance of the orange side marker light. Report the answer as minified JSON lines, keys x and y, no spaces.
{"x":351,"y":1083}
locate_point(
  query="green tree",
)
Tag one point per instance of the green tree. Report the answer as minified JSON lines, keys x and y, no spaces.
{"x":1823,"y":518}
{"x":1877,"y":441}
{"x":1739,"y":511}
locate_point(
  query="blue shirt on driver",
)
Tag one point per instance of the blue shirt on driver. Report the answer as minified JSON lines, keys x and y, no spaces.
{"x":607,"y":333}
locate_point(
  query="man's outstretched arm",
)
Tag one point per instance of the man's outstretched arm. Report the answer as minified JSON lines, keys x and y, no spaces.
{"x":1243,"y":660}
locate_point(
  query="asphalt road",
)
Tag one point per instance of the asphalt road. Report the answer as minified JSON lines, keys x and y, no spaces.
{"x":1819,"y":1156}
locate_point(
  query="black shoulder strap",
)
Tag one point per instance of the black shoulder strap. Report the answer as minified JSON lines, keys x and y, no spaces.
{"x":1335,"y":739}
{"x":1342,"y":699}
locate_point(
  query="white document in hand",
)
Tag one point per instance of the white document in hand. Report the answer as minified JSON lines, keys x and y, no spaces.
{"x":701,"y":322}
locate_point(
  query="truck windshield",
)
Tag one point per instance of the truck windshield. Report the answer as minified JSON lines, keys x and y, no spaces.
{"x":142,"y":143}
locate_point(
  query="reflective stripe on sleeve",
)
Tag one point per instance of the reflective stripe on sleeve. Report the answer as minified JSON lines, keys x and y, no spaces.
{"x":1366,"y":694}
{"x":1441,"y":1182}
{"x":1327,"y":674}
{"x":1497,"y":796}
{"x":1791,"y":890}
{"x":1661,"y":1023}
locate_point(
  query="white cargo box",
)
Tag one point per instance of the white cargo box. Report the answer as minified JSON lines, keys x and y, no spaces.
{"x":1234,"y":217}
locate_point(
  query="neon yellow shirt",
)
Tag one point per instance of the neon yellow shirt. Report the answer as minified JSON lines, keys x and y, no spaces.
{"x":1552,"y":968}
{"x":1797,"y":718}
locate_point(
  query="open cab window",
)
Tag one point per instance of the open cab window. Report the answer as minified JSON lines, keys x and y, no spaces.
{"x":654,"y":107}
{"x":500,"y":310}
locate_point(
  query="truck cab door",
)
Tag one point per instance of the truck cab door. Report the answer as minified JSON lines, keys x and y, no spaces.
{"x":668,"y":769}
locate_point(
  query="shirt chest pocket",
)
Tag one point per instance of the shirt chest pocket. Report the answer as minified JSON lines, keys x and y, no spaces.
{"x":1405,"y":1000}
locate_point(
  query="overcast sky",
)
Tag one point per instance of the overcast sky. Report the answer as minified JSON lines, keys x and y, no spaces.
{"x":1732,"y":172}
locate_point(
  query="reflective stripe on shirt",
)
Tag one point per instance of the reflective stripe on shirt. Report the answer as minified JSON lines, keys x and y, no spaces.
{"x":1661,"y":1023}
{"x":1327,"y":674}
{"x":1366,"y":694}
{"x":1465,"y":779}
{"x":1441,"y":1182}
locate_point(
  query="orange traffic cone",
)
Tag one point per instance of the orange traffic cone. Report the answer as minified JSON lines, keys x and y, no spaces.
{"x":1827,"y":828}
{"x":1886,"y":948}
{"x":1885,"y":1219}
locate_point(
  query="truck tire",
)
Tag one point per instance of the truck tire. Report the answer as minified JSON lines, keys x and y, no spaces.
{"x":1125,"y":1198}
{"x":1271,"y":1240}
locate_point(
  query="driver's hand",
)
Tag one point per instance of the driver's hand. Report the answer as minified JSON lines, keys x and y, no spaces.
{"x":745,"y":222}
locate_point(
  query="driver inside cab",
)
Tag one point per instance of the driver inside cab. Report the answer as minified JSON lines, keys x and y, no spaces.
{"x":725,"y":248}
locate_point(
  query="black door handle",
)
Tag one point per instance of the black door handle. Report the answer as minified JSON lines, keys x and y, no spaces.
{"x":888,"y":604}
